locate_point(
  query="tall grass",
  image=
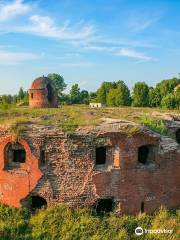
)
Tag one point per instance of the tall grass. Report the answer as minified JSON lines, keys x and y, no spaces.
{"x":156,"y":125}
{"x":63,"y":223}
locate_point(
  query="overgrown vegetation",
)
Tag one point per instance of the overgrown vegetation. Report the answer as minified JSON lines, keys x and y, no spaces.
{"x":156,"y":125}
{"x":70,"y":117}
{"x":68,"y":125}
{"x":17,"y":129}
{"x":64,"y":223}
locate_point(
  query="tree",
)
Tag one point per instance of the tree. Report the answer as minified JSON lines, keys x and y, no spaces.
{"x":6,"y":99}
{"x":103,"y":91}
{"x":21,"y":94}
{"x":123,"y":95}
{"x":75,"y":94}
{"x":58,"y":82}
{"x":170,"y":101}
{"x":154,"y":97}
{"x":15,"y":98}
{"x":84,"y":96}
{"x":140,"y":94}
{"x":111,"y":97}
{"x":167,"y":86}
{"x":92,"y":96}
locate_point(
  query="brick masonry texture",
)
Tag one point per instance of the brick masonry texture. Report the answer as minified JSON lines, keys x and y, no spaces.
{"x":70,"y":175}
{"x":43,"y":94}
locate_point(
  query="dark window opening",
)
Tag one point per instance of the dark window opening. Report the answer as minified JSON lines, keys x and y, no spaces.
{"x":104,"y":206}
{"x":100,"y":155}
{"x":50,"y":92}
{"x":37,"y":203}
{"x":42,"y":157}
{"x":32,"y":96}
{"x":143,"y":153}
{"x":14,"y":154}
{"x":19,"y":156}
{"x":178,"y":136}
{"x":142,"y":207}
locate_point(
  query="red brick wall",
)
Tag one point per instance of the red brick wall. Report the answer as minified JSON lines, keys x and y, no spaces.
{"x":16,"y":184}
{"x":70,"y":174}
{"x":40,"y":99}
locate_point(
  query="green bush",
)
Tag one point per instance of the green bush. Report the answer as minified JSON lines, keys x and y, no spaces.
{"x":170,"y":101}
{"x":14,"y":223}
{"x":156,"y":125}
{"x":64,"y":223}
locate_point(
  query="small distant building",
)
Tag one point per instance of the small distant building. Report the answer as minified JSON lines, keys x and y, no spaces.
{"x":97,"y":105}
{"x":43,"y":93}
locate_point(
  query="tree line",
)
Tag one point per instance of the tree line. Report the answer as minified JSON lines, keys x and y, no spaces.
{"x":165,"y":94}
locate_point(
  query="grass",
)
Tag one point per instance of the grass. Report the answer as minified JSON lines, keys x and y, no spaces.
{"x":62,"y":222}
{"x":71,"y":117}
{"x":156,"y":125}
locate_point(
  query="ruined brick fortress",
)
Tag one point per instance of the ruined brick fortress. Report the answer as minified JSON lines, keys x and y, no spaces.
{"x":107,"y":166}
{"x":43,"y":93}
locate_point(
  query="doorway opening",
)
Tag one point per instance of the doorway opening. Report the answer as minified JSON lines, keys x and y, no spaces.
{"x":38,"y":202}
{"x":104,"y":206}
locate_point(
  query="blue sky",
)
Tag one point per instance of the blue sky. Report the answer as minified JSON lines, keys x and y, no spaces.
{"x":88,"y":41}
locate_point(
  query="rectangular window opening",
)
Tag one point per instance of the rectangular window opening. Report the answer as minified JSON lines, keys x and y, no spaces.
{"x":42,"y":157}
{"x":19,"y":156}
{"x":100,"y":155}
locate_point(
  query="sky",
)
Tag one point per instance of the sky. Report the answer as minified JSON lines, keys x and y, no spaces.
{"x":88,"y":42}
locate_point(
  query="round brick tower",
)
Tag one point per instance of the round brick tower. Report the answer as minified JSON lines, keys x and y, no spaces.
{"x":43,"y":94}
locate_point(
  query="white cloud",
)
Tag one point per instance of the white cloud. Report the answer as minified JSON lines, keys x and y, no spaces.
{"x":80,"y":35}
{"x":126,"y":43}
{"x":99,"y":48}
{"x":7,"y":57}
{"x":138,"y":26}
{"x":12,"y":9}
{"x":120,"y":51}
{"x":125,"y":52}
{"x":44,"y":26}
{"x":141,"y":19}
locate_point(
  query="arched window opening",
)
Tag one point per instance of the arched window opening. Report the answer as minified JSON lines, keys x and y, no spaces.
{"x":104,"y":206}
{"x":178,"y":136}
{"x":50,"y":92}
{"x":100,"y":155}
{"x":38,"y":202}
{"x":147,"y":153}
{"x":15,"y":154}
{"x":142,"y":207}
{"x":32,"y":95}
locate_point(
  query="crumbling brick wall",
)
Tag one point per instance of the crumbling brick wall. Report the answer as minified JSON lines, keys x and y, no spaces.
{"x":69,"y":173}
